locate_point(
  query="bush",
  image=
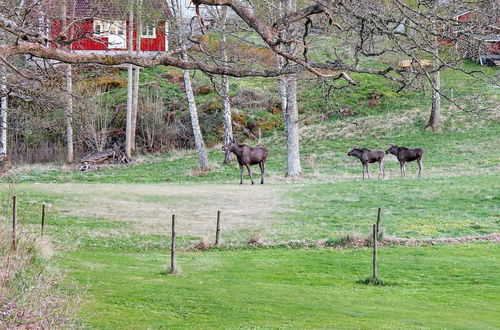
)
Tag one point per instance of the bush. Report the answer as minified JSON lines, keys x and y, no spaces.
{"x":29,"y":297}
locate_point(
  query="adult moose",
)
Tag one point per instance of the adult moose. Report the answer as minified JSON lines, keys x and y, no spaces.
{"x":367,"y":156}
{"x":247,"y":156}
{"x":406,"y":155}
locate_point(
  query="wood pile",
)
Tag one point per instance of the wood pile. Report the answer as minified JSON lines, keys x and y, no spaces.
{"x":415,"y":65}
{"x":90,"y":162}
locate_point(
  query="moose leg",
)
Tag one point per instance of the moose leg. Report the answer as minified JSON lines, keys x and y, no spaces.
{"x":262,"y":171}
{"x":402,"y":169}
{"x":241,"y":174}
{"x":249,"y":173}
{"x":420,"y":168}
{"x":363,"y":171}
{"x":367,"y":171}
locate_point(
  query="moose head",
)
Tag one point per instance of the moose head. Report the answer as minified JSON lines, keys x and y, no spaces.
{"x":393,"y":149}
{"x":230,"y":146}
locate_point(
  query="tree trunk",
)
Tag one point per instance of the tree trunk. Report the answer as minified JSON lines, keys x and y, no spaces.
{"x":3,"y":115}
{"x":135,"y":93}
{"x":228,"y":122}
{"x":292,"y":127}
{"x":292,"y":112}
{"x":282,"y":89}
{"x":130,"y":77}
{"x":434,"y":120}
{"x":193,"y":112}
{"x":69,"y":113}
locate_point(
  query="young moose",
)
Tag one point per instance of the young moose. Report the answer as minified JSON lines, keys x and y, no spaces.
{"x":248,"y":156}
{"x":367,"y":156}
{"x":405,"y":155}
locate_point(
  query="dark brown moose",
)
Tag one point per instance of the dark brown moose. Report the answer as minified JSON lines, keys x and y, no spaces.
{"x":248,"y":156}
{"x":367,"y":156}
{"x":406,"y":155}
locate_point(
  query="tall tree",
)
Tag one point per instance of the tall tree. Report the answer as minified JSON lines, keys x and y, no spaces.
{"x":435,"y":117}
{"x":193,"y":113}
{"x":135,"y":93}
{"x":292,"y":111}
{"x":3,"y":110}
{"x":130,"y":84}
{"x":180,"y":28}
{"x":228,"y":121}
{"x":68,"y":111}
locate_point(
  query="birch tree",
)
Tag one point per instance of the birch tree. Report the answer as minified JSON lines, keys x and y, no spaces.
{"x":188,"y":88}
{"x":365,"y":28}
{"x":130,"y":85}
{"x":3,"y":110}
{"x":293,"y":167}
{"x":68,"y":111}
{"x":135,"y":93}
{"x":228,"y":121}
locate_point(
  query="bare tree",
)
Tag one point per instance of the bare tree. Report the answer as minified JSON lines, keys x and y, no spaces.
{"x":69,"y":89}
{"x":94,"y":114}
{"x":3,"y":112}
{"x":188,"y":88}
{"x":365,"y":30}
{"x":130,"y":86}
{"x":135,"y":93}
{"x":228,"y":121}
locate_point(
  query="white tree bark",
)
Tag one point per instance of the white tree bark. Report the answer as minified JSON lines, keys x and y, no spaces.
{"x":228,"y":120}
{"x":282,"y":89}
{"x":69,"y":114}
{"x":292,"y":110}
{"x":3,"y":114}
{"x":435,"y":117}
{"x":436,"y":103}
{"x":135,"y":93}
{"x":292,"y":128}
{"x":130,"y":76}
{"x":68,"y":111}
{"x":193,"y":112}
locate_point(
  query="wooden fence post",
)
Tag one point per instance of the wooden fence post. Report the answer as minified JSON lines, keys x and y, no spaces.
{"x":43,"y":217}
{"x":378,"y":220}
{"x":14,"y":215}
{"x":376,"y":227}
{"x":217,"y":232}
{"x":173,"y":266}
{"x":375,"y":270}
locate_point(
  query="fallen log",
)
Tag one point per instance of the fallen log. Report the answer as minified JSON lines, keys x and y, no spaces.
{"x":99,"y":157}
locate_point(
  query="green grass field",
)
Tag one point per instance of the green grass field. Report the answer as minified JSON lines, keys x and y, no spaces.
{"x":111,"y":227}
{"x":432,"y":287}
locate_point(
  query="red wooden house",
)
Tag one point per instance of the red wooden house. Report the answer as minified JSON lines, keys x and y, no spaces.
{"x":102,"y":27}
{"x":490,"y":39}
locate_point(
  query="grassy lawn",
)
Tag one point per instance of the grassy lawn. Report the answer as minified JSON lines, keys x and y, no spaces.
{"x":111,"y":227}
{"x":429,"y":287}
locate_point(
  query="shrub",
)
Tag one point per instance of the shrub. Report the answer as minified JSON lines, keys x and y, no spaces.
{"x":29,"y":297}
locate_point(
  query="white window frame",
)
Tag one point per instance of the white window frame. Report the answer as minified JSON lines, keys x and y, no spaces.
{"x":105,"y":25}
{"x":150,"y":31}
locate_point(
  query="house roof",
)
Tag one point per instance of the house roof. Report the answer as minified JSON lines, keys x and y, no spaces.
{"x":96,"y":8}
{"x":104,"y":8}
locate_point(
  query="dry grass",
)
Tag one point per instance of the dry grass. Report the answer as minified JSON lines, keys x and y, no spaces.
{"x":385,"y":125}
{"x":149,"y":207}
{"x":29,"y":298}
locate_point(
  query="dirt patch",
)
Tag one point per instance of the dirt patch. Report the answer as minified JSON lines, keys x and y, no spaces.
{"x":149,"y":207}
